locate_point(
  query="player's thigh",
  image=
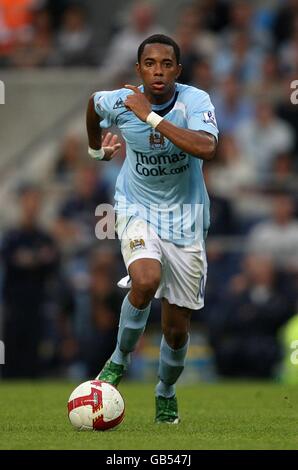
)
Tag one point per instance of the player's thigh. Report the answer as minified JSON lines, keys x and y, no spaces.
{"x":184,"y":276}
{"x":138,"y":241}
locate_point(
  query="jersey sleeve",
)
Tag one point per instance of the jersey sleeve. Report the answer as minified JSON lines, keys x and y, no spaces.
{"x":201,"y":113}
{"x":104,"y":108}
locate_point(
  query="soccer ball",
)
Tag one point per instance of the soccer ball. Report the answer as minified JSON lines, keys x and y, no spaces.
{"x":95,"y":405}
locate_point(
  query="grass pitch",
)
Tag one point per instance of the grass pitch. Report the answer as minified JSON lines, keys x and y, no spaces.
{"x":218,"y":416}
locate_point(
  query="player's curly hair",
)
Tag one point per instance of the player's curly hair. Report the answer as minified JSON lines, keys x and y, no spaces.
{"x":159,"y":39}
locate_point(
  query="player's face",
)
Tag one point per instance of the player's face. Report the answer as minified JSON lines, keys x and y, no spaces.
{"x":158,"y":70}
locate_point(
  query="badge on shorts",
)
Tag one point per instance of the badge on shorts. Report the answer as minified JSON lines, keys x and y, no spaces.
{"x":137,"y":244}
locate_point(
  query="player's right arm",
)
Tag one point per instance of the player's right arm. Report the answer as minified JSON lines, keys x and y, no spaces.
{"x":100,"y":147}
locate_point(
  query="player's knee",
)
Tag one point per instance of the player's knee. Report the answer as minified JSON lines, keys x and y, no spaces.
{"x":146,"y":285}
{"x":175,"y":337}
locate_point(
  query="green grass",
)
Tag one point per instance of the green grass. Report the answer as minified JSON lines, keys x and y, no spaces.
{"x":220,"y":416}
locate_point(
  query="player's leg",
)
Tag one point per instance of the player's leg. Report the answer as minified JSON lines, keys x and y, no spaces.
{"x":145,"y":277}
{"x":173,"y":350}
{"x":145,"y":274}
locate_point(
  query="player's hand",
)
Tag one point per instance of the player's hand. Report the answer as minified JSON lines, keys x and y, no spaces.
{"x":138,"y":103}
{"x":110,"y":145}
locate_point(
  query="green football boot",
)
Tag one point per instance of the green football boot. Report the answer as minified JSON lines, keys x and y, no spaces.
{"x":166,"y":410}
{"x":111,"y":373}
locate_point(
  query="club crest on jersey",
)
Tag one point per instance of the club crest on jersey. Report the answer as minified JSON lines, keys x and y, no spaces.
{"x":156,"y":140}
{"x":209,"y":118}
{"x":137,"y":244}
{"x":119,"y":104}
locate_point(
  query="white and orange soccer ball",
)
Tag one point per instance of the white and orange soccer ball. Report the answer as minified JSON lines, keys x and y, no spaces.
{"x":95,"y":405}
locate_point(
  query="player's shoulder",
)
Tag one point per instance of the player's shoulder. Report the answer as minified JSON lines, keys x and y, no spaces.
{"x":190,"y":89}
{"x":113,"y":98}
{"x":189,"y":93}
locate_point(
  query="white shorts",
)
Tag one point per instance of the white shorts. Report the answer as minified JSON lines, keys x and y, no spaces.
{"x":184,"y":268}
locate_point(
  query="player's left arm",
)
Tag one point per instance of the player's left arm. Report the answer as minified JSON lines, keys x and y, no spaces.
{"x":200,"y":144}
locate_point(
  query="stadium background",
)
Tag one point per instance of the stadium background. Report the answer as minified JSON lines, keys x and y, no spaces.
{"x":59,"y":300}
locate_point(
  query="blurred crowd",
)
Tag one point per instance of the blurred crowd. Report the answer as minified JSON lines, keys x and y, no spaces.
{"x":43,"y":33}
{"x":60,"y":300}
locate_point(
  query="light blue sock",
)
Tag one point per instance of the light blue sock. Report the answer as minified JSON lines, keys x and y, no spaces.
{"x":131,"y":326}
{"x":171,"y":365}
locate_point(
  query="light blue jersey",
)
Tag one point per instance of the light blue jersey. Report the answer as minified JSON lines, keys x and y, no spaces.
{"x":158,"y":181}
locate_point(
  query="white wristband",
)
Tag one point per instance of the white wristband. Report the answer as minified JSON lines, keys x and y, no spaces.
{"x":97,"y":154}
{"x":153,"y":119}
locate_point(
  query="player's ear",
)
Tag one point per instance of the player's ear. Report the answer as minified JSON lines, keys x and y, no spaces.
{"x":179,"y":70}
{"x":138,"y":69}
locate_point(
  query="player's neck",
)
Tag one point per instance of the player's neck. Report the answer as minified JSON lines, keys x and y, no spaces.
{"x":153,"y":99}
